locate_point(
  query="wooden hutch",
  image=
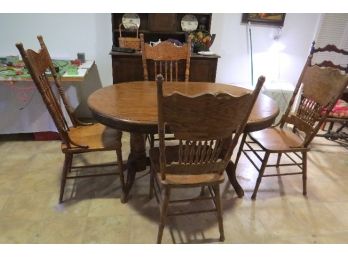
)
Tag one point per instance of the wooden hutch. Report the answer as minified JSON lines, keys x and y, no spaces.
{"x":154,"y":26}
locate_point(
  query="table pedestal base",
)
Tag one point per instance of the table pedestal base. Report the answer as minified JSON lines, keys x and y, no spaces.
{"x":232,"y":177}
{"x":137,"y":161}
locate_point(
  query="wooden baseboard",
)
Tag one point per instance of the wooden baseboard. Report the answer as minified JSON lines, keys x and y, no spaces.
{"x":46,"y":136}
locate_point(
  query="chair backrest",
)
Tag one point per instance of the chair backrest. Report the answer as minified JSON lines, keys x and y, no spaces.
{"x":167,"y":59}
{"x":322,"y":84}
{"x":206,"y":126}
{"x":335,"y":53}
{"x":39,"y":64}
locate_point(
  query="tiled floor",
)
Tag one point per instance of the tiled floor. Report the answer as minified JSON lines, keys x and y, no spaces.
{"x":29,"y":210}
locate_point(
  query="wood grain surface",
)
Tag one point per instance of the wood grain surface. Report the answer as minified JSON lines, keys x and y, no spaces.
{"x":132,"y":106}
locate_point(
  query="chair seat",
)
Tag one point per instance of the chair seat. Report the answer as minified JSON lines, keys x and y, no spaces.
{"x":181,"y":180}
{"x":96,"y":137}
{"x":276,"y":139}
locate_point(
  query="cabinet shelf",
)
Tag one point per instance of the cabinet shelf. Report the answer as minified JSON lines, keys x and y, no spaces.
{"x":125,"y":31}
{"x":154,"y":26}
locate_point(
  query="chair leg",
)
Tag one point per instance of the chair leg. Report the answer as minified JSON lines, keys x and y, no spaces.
{"x":216,"y":189}
{"x":261,"y":171}
{"x":120,"y":170}
{"x":151,"y":139}
{"x":240,"y":149}
{"x":232,"y":167}
{"x":66,"y":169}
{"x":343,"y":125}
{"x":202,"y":191}
{"x":330,"y":126}
{"x":323,"y":126}
{"x":164,"y":209}
{"x":151,"y":184}
{"x":304,"y":172}
{"x":278,"y":159}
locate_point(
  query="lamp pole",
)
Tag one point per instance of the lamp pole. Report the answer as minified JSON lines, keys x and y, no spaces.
{"x":251,"y":55}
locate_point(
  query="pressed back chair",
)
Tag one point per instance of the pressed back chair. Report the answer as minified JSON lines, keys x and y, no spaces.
{"x":207,"y":128}
{"x":78,"y":138}
{"x":319,"y":87}
{"x":339,"y":113}
{"x":167,"y":59}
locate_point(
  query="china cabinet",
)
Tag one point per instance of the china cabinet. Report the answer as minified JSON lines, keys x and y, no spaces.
{"x":127,"y":66}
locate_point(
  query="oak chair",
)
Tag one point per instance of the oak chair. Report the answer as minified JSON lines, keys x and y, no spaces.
{"x":319,"y":87}
{"x":207,"y":128}
{"x":339,"y":113}
{"x":78,"y":138}
{"x":167,"y":59}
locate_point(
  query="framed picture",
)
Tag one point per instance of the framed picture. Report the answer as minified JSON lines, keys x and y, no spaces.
{"x":272,"y":19}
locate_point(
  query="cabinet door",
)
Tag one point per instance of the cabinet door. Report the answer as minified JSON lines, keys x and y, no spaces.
{"x":162,"y":22}
{"x":127,"y":68}
{"x":203,"y":69}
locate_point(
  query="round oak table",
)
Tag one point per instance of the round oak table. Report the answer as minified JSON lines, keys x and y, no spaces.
{"x":132,"y":107}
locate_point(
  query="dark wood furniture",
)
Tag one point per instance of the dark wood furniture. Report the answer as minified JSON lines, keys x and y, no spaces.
{"x":132,"y":107}
{"x":156,"y":26}
{"x":321,"y":85}
{"x":81,"y":137}
{"x":128,"y":66}
{"x":207,"y":128}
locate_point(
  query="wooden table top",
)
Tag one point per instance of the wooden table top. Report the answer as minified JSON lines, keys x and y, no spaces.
{"x":132,"y":106}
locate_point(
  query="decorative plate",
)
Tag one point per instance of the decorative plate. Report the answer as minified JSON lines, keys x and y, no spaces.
{"x":206,"y":53}
{"x":131,"y":20}
{"x":189,"y":23}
